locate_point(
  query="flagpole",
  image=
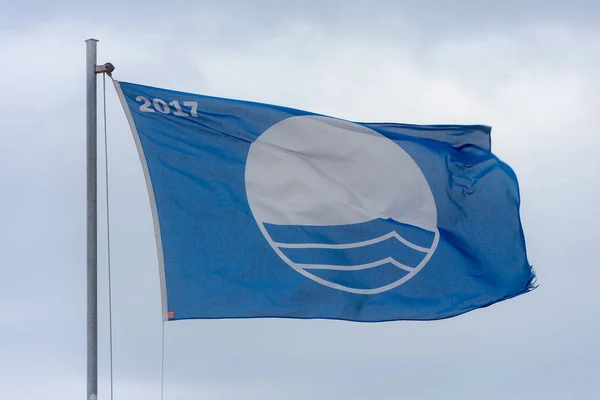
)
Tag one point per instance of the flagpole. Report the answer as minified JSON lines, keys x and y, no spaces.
{"x":91,"y":70}
{"x":92,"y":221}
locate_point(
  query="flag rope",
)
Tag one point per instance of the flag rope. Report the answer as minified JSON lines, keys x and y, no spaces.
{"x":162,"y":363}
{"x":110,"y":324}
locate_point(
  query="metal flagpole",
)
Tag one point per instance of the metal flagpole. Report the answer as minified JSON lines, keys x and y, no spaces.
{"x":92,"y":215}
{"x":92,"y":222}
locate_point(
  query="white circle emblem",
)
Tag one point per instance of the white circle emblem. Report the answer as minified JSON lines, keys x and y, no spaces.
{"x":317,"y":187}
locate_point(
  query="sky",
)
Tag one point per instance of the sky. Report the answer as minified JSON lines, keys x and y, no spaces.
{"x":527,"y":68}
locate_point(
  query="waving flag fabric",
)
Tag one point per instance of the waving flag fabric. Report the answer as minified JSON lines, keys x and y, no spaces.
{"x":266,"y":211}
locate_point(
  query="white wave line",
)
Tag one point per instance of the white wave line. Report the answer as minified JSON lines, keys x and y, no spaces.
{"x":357,"y":267}
{"x":379,"y":239}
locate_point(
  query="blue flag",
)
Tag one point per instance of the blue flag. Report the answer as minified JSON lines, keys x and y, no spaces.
{"x":266,"y":211}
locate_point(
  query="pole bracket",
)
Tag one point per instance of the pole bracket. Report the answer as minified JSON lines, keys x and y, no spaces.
{"x":107,"y":69}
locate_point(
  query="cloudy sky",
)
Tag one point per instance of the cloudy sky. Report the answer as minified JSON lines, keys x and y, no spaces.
{"x":527,"y":68}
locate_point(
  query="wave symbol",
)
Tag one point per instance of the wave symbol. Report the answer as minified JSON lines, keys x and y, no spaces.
{"x":359,"y":257}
